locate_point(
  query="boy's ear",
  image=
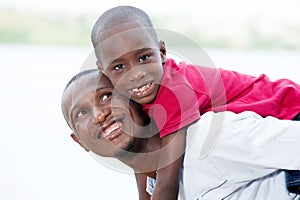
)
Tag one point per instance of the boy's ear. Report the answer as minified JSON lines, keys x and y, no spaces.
{"x":100,"y":67}
{"x":76,"y":139}
{"x":163,"y":51}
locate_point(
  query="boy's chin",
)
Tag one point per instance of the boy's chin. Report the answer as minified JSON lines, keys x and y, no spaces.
{"x":145,"y":100}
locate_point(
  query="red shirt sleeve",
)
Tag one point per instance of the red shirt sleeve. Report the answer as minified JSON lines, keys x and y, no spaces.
{"x":176,"y":104}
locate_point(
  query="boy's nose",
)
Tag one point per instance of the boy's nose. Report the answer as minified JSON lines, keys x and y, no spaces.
{"x":137,"y":75}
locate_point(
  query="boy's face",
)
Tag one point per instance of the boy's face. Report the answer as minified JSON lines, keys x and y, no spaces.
{"x":131,"y":58}
{"x":99,"y":125}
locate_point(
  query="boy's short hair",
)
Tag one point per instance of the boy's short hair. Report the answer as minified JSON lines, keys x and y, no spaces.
{"x":119,"y":15}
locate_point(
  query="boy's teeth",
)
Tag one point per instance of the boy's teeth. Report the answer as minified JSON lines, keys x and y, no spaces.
{"x":112,"y":128}
{"x":142,"y":88}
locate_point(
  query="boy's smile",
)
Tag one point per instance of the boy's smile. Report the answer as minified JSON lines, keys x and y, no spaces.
{"x":142,"y":91}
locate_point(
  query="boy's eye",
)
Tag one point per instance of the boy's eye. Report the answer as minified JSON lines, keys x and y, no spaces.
{"x":118,"y":67}
{"x":143,"y":58}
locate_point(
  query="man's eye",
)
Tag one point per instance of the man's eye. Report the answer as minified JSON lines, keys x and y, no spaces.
{"x":80,"y":114}
{"x":119,"y":67}
{"x":105,"y":97}
{"x":143,"y":58}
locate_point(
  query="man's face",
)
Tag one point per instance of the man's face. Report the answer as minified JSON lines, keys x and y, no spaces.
{"x":102,"y":126}
{"x":131,"y":58}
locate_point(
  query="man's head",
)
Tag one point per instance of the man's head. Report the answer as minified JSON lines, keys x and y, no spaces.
{"x":102,"y":121}
{"x":129,"y":53}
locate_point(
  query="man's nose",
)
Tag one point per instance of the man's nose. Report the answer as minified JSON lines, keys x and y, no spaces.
{"x":101,"y":115}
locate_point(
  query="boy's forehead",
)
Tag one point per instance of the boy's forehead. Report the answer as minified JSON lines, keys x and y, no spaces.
{"x":121,"y":40}
{"x":119,"y":28}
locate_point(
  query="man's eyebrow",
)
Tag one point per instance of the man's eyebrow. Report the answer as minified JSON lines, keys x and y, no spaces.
{"x":97,"y":90}
{"x":71,"y":113}
{"x":102,"y":88}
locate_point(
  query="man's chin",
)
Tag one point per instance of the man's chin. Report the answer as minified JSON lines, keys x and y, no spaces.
{"x":130,"y":146}
{"x":122,"y":153}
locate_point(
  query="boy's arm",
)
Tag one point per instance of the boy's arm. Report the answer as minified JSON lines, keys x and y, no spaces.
{"x":167,"y":178}
{"x":141,"y":181}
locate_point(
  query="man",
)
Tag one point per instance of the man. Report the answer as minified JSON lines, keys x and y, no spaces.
{"x":224,"y":151}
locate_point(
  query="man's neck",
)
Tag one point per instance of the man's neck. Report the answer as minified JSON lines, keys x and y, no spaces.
{"x":144,"y":156}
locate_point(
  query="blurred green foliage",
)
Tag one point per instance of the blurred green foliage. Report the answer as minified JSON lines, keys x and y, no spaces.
{"x":44,"y":28}
{"x":48,"y":28}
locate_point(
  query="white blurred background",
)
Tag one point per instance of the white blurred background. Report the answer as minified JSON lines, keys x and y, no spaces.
{"x":44,"y":43}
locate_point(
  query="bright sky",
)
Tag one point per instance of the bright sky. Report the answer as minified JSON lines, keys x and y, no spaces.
{"x":231,"y":9}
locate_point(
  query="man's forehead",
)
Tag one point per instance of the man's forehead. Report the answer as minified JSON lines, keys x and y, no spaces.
{"x":90,"y":82}
{"x":79,"y":87}
{"x":83,"y":81}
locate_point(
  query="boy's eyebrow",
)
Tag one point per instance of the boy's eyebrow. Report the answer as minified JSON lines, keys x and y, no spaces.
{"x":136,"y":52}
{"x":142,"y":50}
{"x":114,"y":61}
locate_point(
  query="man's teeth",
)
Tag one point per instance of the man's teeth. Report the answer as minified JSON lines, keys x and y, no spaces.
{"x":112,"y":128}
{"x":142,"y":88}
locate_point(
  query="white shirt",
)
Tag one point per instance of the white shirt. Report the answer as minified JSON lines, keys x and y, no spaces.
{"x":239,"y":156}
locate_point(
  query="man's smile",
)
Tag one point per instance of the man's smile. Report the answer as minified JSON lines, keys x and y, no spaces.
{"x":112,"y":131}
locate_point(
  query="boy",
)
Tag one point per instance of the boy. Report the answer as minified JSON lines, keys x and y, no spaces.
{"x":111,"y":126}
{"x":128,"y":52}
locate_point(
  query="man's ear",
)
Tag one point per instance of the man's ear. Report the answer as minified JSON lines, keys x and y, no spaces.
{"x":100,"y":67}
{"x":76,"y":139}
{"x":163,"y":51}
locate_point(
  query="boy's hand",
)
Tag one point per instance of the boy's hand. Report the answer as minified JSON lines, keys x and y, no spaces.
{"x":141,"y":181}
{"x":167,"y":178}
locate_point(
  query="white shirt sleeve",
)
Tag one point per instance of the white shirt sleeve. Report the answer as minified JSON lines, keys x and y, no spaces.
{"x":264,"y":142}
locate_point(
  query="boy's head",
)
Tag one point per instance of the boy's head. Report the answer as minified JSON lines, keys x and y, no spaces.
{"x":129,"y":53}
{"x":98,"y":124}
{"x":119,"y":15}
